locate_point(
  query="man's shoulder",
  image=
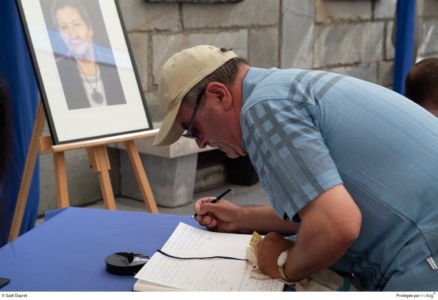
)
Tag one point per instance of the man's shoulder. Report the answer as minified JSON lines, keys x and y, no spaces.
{"x":276,"y":86}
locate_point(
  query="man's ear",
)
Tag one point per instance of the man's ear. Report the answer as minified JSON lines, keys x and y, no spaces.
{"x":220,"y":93}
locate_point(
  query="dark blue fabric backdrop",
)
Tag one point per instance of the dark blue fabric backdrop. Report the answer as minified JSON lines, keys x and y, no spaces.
{"x":404,"y":43}
{"x":16,"y":69}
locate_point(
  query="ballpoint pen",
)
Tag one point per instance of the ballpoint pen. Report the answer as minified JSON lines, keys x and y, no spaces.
{"x":217,"y":198}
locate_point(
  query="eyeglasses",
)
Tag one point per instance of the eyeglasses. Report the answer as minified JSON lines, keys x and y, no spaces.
{"x":191,"y":132}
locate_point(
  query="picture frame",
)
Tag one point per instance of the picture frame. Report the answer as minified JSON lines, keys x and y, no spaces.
{"x":88,"y":82}
{"x":195,"y":1}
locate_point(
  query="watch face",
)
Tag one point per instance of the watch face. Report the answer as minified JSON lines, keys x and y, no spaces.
{"x":281,"y":260}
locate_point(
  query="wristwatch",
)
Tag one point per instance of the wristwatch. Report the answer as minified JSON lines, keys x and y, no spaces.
{"x":281,"y":263}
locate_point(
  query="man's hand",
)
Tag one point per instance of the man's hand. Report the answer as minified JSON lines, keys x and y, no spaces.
{"x":220,"y":216}
{"x":268,"y":251}
{"x":226,"y":216}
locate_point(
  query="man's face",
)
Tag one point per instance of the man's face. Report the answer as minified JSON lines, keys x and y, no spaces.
{"x":75,"y":32}
{"x":431,"y":105}
{"x":214,"y":126}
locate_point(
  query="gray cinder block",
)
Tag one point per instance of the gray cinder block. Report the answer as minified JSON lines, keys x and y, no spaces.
{"x":172,"y":180}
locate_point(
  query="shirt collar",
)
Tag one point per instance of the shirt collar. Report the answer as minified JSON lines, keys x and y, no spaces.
{"x":252,"y":78}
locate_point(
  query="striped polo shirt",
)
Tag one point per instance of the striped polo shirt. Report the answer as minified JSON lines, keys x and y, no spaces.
{"x":307,"y":131}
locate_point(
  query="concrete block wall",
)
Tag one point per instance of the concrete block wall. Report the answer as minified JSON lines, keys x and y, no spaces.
{"x":345,"y":36}
{"x":348,"y":37}
{"x":428,"y":27}
{"x":351,"y":37}
{"x":158,"y":30}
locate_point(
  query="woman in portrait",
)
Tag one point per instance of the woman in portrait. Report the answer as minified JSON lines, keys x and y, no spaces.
{"x":88,"y":73}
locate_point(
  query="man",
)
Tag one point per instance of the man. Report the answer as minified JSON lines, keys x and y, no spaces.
{"x":422,"y":84}
{"x":349,"y":166}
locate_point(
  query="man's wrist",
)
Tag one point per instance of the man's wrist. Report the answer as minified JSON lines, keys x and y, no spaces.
{"x":242,"y":223}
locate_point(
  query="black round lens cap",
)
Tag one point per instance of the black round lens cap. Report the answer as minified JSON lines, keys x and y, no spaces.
{"x":125,"y":263}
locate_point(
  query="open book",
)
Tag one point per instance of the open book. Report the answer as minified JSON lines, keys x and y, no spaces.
{"x":164,"y":273}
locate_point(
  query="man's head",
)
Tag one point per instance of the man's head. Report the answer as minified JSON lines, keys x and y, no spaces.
{"x":422,"y":84}
{"x":199,"y":93}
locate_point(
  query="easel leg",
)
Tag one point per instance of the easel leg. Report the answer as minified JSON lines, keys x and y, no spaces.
{"x":61,"y":179}
{"x":26,"y":179}
{"x":140,"y":174}
{"x":101,"y":165}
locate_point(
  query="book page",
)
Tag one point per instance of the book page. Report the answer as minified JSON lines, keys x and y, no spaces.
{"x":202,"y":275}
{"x":217,"y":274}
{"x":189,"y":241}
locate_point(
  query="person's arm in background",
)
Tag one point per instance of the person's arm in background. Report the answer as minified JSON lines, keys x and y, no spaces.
{"x":225,"y":216}
{"x":329,"y":225}
{"x":5,"y":157}
{"x":5,"y":127}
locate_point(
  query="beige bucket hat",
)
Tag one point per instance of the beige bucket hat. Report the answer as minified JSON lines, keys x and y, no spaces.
{"x":179,"y":75}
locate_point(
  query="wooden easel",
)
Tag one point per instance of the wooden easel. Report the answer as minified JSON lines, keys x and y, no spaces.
{"x":98,"y":155}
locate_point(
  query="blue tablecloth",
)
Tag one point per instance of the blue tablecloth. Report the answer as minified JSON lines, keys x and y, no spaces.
{"x":67,"y":252}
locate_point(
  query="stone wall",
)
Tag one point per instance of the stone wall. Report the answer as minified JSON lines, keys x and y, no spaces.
{"x":345,"y":36}
{"x":157,"y":30}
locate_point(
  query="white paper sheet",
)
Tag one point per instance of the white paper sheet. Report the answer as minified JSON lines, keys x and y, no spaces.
{"x":191,"y":241}
{"x":202,"y":274}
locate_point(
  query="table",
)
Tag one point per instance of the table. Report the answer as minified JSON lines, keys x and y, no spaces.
{"x":67,"y":252}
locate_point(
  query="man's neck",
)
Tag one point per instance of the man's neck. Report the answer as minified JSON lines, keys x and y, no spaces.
{"x":236,"y":89}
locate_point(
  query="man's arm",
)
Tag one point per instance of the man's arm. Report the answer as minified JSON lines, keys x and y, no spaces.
{"x":228,"y":217}
{"x":329,"y":225}
{"x":263,"y":220}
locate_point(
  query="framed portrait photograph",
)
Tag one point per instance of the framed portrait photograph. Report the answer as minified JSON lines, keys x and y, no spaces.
{"x":87,"y":79}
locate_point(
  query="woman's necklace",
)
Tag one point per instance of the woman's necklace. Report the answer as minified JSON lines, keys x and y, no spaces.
{"x":96,"y":96}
